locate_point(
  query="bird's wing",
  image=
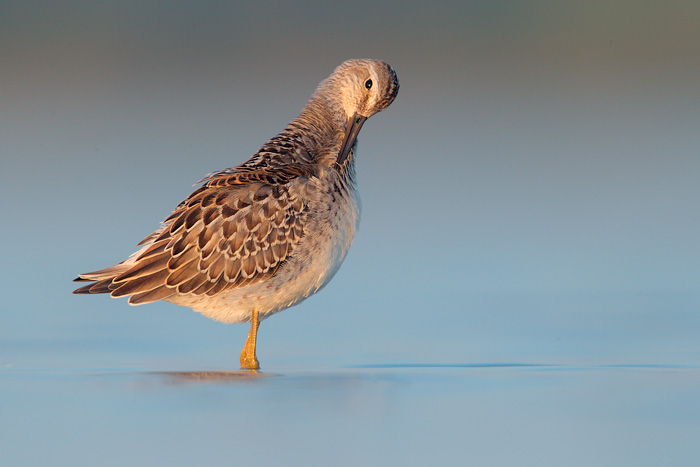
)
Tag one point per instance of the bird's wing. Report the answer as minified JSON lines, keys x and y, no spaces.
{"x":237,"y":229}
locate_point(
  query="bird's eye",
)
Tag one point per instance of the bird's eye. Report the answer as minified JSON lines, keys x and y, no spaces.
{"x":368,"y":84}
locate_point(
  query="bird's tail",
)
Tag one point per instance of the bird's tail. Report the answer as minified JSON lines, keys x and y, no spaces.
{"x":101,"y":281}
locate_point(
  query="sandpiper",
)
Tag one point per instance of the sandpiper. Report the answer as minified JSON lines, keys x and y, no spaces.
{"x":260,"y":237}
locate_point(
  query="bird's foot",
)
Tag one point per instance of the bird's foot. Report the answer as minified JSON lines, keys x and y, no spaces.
{"x":249,"y":362}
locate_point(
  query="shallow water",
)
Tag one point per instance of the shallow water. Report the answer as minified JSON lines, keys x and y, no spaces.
{"x":423,"y":414}
{"x":523,"y":289}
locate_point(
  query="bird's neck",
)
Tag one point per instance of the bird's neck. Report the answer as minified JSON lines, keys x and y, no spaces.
{"x":322,"y":122}
{"x":314,"y":137}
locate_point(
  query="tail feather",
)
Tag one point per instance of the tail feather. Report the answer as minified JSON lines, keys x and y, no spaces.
{"x":103,"y":286}
{"x":103,"y":279}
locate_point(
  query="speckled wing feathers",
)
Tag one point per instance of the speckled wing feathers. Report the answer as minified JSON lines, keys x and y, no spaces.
{"x":237,"y":229}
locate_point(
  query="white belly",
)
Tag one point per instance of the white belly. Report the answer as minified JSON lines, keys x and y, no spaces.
{"x":314,"y":263}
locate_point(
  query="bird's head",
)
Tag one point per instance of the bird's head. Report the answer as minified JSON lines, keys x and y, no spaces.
{"x":365,"y":87}
{"x":362,"y":87}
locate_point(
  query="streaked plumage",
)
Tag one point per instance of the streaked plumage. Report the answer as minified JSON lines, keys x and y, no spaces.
{"x":262,"y":236}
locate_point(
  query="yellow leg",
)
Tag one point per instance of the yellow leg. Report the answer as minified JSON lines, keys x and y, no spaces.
{"x":249,"y":361}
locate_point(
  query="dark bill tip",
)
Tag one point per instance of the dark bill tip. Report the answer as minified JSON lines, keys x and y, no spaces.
{"x":353,"y":129}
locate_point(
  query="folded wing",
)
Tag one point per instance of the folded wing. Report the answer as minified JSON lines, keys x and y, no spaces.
{"x":237,"y":229}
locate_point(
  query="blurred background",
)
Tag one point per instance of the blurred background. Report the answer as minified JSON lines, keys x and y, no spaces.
{"x":530,"y":197}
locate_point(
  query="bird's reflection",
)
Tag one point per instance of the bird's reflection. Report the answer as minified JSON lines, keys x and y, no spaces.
{"x":184,"y":377}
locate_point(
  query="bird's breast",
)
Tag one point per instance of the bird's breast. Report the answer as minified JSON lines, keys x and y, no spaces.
{"x":334,"y":219}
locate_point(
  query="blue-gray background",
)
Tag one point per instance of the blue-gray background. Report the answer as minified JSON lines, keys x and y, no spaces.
{"x":530,"y":197}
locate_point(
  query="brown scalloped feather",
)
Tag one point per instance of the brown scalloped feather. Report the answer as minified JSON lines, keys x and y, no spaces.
{"x":237,"y":229}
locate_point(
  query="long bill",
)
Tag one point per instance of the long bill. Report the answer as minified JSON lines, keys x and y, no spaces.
{"x":353,"y":128}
